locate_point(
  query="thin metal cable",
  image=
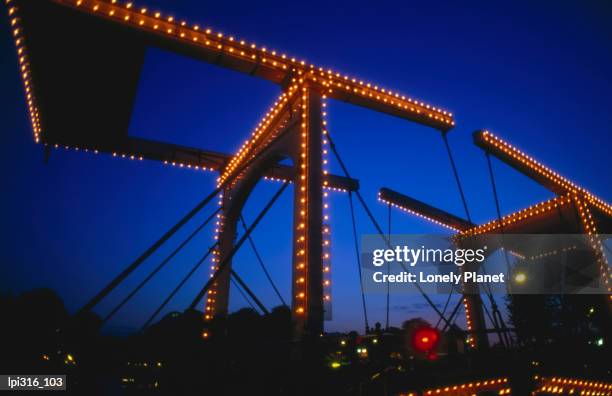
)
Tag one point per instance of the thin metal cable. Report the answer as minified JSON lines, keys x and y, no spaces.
{"x":450,"y":294}
{"x":379,"y":229}
{"x":501,"y":228}
{"x":249,"y":291}
{"x":363,"y":300}
{"x":452,"y":315}
{"x":136,"y":263}
{"x":452,"y":161}
{"x":179,"y":286}
{"x":236,"y":247}
{"x":160,"y":266}
{"x":493,"y":321}
{"x":388,"y":266}
{"x":244,"y":296}
{"x":261,"y":263}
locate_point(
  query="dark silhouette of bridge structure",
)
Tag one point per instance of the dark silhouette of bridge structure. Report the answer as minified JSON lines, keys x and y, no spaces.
{"x":94,"y":55}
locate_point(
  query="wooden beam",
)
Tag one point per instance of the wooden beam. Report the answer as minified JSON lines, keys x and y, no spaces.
{"x":530,"y":167}
{"x":115,"y":31}
{"x":423,"y":210}
{"x":197,"y":159}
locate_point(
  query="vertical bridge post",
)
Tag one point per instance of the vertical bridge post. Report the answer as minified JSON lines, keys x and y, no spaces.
{"x":307,"y":299}
{"x":474,"y":317}
{"x":295,"y":129}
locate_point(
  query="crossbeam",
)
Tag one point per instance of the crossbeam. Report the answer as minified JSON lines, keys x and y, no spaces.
{"x":541,"y":209}
{"x":423,"y":210}
{"x":139,"y":149}
{"x":532,"y":168}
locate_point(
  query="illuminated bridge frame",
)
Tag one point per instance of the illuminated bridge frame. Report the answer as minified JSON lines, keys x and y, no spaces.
{"x":551,"y":216}
{"x":94,"y":55}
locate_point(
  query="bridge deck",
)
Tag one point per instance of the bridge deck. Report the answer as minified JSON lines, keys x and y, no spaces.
{"x":95,"y":51}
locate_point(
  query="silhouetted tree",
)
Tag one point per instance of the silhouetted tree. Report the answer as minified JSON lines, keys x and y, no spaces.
{"x":31,"y":326}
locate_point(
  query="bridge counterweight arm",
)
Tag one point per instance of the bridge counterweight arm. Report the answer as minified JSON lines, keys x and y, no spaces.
{"x":530,"y":167}
{"x":423,"y":210}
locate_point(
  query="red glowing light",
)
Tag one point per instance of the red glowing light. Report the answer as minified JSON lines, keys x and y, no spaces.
{"x":425,"y":339}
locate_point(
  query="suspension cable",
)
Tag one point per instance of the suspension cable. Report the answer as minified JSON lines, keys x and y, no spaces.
{"x":249,"y":292}
{"x":388,"y":264}
{"x":236,"y":247}
{"x":452,"y":162}
{"x":363,"y":300}
{"x":160,"y":266}
{"x":493,"y":321}
{"x":242,"y":293}
{"x":450,"y":294}
{"x":488,"y":291}
{"x":452,"y":315}
{"x":136,"y":263}
{"x":467,"y":213}
{"x":499,"y":328}
{"x":497,"y":207}
{"x":379,"y":229}
{"x":261,"y":263}
{"x":505,"y":331}
{"x":501,"y":229}
{"x":179,"y":286}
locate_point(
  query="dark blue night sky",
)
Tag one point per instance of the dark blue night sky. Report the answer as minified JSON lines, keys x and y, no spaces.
{"x":536,"y":73}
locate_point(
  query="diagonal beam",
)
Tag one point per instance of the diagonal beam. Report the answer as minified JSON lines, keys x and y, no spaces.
{"x":246,"y":288}
{"x":532,"y":168}
{"x":518,"y":217}
{"x":226,"y":261}
{"x":276,"y":122}
{"x":423,"y":210}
